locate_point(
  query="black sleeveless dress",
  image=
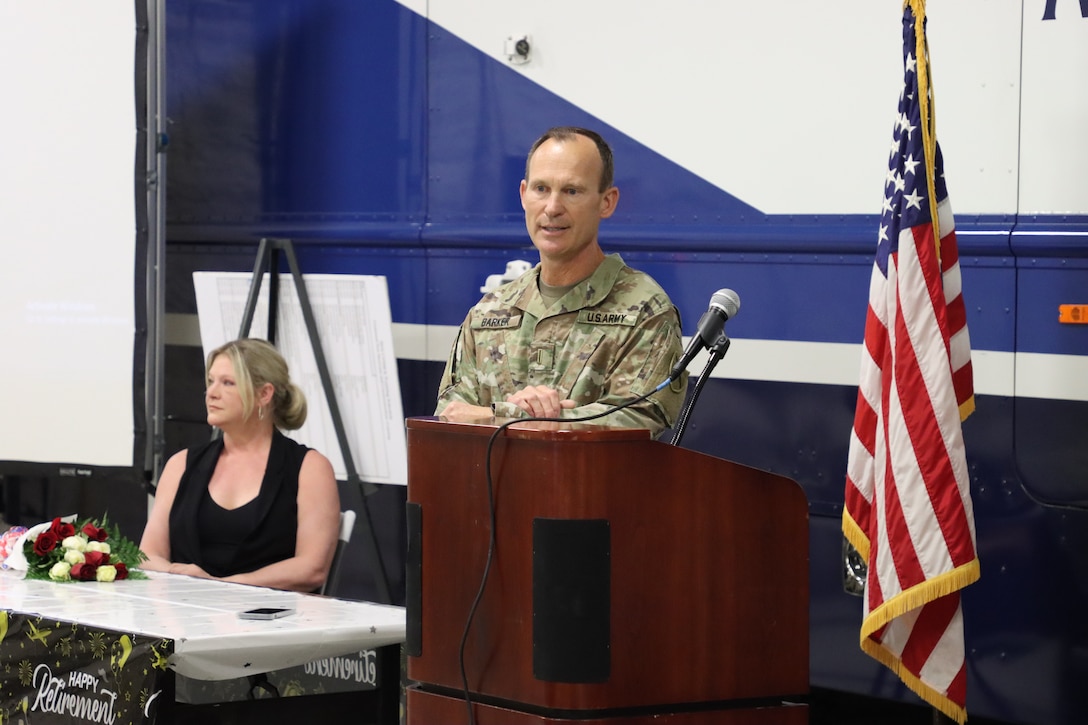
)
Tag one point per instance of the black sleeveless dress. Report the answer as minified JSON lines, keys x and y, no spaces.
{"x":257,"y":534}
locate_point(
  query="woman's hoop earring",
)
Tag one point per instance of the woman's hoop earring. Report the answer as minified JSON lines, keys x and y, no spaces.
{"x":260,"y":412}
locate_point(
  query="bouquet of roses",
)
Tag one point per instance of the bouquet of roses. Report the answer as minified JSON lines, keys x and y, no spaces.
{"x":60,"y":551}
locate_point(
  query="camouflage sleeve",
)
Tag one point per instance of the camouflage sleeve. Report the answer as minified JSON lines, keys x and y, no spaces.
{"x":459,"y":378}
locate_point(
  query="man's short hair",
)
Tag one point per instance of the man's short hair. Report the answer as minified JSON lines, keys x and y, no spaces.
{"x":564,"y":133}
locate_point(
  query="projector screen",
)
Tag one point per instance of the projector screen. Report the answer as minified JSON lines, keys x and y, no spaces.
{"x":68,"y":276}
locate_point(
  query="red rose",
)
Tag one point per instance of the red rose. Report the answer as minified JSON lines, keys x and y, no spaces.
{"x":46,"y":542}
{"x":122,"y":570}
{"x":95,"y":558}
{"x":84,"y":572}
{"x":62,"y":529}
{"x":93,"y":533}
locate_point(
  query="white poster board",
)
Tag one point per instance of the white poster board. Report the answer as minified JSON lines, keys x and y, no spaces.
{"x":354,"y":325}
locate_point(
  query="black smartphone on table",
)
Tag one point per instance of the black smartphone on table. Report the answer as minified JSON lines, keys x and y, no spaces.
{"x":266,"y":613}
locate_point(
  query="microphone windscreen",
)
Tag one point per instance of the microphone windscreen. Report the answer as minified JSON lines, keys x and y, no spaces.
{"x":727,"y":301}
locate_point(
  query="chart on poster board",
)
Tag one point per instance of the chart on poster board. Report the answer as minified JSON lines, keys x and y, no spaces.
{"x":354,"y":326}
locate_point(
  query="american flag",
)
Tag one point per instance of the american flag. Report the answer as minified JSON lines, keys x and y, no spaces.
{"x":908,"y":503}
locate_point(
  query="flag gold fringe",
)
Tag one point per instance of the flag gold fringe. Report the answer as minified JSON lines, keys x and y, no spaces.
{"x":937,"y":699}
{"x":966,"y":408}
{"x":906,"y":601}
{"x":854,"y":534}
{"x":921,"y":594}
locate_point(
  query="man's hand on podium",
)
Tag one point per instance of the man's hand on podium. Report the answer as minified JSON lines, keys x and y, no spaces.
{"x":540,"y":401}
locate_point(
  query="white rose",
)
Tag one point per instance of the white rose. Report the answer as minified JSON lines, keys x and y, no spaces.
{"x":75,"y":543}
{"x":73,"y":557}
{"x":59,"y":571}
{"x":106,"y":573}
{"x":101,"y":546}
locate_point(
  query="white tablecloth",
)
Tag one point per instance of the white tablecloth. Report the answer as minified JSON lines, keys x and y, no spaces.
{"x":201,"y":617}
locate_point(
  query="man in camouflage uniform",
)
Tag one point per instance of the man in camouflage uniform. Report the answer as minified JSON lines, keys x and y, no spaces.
{"x":581,"y":332}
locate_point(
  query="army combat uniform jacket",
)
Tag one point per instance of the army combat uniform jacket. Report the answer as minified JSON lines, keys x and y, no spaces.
{"x":613,"y":337}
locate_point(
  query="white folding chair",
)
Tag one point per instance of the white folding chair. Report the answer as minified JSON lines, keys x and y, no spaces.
{"x":347,"y":525}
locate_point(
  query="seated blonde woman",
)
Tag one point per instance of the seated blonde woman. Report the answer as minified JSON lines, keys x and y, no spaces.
{"x":252,"y":506}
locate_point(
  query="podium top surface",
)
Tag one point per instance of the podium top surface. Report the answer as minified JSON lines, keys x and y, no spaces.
{"x":531,"y":429}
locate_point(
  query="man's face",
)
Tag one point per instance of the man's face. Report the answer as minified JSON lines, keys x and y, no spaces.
{"x":562,"y":202}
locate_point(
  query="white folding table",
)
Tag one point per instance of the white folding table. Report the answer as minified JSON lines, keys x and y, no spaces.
{"x":200,"y":617}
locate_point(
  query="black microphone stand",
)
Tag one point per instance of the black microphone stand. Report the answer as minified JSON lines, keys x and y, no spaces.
{"x":717,"y":352}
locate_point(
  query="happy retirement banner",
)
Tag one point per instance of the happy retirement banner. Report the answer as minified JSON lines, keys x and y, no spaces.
{"x":62,"y":673}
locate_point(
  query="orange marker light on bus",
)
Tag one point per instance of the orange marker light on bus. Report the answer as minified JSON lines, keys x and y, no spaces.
{"x":1073,"y":314}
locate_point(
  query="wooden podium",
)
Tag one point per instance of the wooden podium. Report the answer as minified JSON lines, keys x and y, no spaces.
{"x":631,"y":581}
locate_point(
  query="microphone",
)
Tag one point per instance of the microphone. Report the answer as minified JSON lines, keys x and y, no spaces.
{"x":724,"y":304}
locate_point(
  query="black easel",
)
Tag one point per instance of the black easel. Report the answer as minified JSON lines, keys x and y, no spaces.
{"x":268,"y":259}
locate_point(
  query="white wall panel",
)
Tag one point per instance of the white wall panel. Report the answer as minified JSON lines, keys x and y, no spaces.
{"x":67,"y":231}
{"x":1054,"y":114}
{"x":787,"y":105}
